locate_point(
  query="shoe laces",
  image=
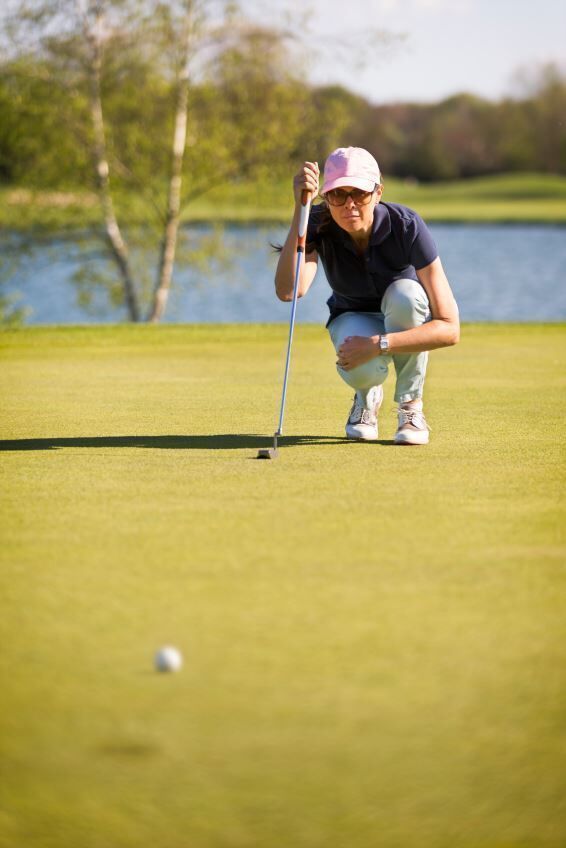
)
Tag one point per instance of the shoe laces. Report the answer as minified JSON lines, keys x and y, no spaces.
{"x":412,"y":416}
{"x":360,"y":414}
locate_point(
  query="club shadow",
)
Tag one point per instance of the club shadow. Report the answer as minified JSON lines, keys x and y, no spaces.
{"x":217,"y":441}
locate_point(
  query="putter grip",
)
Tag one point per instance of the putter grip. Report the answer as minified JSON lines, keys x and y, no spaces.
{"x":303,"y":221}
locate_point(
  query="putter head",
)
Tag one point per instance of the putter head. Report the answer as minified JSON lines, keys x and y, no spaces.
{"x":267,"y":453}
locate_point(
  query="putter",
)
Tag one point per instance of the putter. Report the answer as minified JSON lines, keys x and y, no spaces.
{"x":271,"y":453}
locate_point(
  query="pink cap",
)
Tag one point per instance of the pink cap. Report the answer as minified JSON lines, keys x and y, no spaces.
{"x":350,"y":166}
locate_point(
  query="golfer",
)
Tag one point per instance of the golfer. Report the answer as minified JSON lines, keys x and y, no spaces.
{"x":391,"y":301}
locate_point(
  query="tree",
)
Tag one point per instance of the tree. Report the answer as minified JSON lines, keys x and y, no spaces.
{"x":91,"y":16}
{"x":247,"y":112}
{"x":181,"y":21}
{"x":546,"y":113}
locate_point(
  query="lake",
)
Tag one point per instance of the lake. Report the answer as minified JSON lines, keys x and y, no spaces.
{"x":497,"y":272}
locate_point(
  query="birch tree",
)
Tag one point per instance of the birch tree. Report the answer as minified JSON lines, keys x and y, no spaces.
{"x":175,"y":30}
{"x":92,"y":18}
{"x":186,"y":39}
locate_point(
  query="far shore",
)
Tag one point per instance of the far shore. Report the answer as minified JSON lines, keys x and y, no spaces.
{"x":506,"y":198}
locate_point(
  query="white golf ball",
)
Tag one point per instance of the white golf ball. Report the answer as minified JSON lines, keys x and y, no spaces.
{"x":168,"y":659}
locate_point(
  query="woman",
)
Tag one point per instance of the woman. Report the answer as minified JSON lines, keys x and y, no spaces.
{"x":391,"y":300}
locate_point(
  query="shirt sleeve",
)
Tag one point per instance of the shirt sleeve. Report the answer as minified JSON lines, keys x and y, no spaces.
{"x":422,"y":247}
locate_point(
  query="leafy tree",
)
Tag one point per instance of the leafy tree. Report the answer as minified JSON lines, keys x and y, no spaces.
{"x":96,"y":54}
{"x":547,"y":110}
{"x":337,"y":118}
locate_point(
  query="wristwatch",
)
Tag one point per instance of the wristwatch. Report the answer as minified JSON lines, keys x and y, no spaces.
{"x":383,"y":345}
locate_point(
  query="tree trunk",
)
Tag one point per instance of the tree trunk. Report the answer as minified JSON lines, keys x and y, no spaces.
{"x":113,"y":234}
{"x":169,"y":241}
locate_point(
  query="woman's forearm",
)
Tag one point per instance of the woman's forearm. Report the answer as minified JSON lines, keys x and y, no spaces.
{"x":305,"y":181}
{"x":429,"y":336}
{"x":355,"y":350}
{"x":285,"y":272}
{"x":286,"y":267}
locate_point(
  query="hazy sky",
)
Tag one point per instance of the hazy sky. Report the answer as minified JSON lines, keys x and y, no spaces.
{"x":450,"y":45}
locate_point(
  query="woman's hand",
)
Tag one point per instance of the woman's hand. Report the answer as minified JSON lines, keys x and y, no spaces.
{"x":356,"y":350}
{"x":306,"y":179}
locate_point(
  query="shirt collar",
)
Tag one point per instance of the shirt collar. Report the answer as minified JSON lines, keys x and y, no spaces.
{"x":381,"y":224}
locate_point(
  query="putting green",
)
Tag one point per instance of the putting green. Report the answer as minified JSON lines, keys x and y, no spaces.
{"x":374,"y":637}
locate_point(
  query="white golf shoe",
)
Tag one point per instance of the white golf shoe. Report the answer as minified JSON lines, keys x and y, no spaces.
{"x":362,"y":421}
{"x":412,"y":428}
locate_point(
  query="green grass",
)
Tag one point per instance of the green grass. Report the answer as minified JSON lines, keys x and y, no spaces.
{"x":536,"y":198}
{"x":374,"y":637}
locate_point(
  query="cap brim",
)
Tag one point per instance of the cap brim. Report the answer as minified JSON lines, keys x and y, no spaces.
{"x":353,"y":182}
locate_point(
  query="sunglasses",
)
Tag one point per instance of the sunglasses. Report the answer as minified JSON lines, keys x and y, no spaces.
{"x":339,"y":196}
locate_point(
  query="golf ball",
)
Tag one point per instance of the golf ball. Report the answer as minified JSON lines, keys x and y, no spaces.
{"x":168,"y":659}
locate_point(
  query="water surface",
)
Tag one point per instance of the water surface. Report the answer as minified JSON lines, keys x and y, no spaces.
{"x":497,"y":272}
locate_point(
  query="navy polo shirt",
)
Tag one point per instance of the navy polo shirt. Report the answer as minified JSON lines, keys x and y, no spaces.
{"x":400,"y":244}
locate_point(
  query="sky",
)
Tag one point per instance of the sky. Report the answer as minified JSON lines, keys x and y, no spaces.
{"x":449,"y":46}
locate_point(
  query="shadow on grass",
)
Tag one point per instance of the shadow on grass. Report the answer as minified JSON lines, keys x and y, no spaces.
{"x":219,"y":441}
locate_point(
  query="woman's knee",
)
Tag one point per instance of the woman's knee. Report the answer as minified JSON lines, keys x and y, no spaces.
{"x":371,"y":373}
{"x":405,"y":305}
{"x":353,"y":324}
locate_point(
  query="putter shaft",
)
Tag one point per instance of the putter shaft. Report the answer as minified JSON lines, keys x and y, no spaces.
{"x":271,"y":453}
{"x":290,"y":341}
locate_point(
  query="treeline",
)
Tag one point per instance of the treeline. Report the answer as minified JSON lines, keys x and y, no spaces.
{"x":249,"y":116}
{"x":467,"y":136}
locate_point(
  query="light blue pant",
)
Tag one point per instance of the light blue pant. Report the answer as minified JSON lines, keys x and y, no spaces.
{"x":405,"y":305}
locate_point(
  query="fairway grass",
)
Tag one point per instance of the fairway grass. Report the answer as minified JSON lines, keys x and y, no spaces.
{"x":374,"y":637}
